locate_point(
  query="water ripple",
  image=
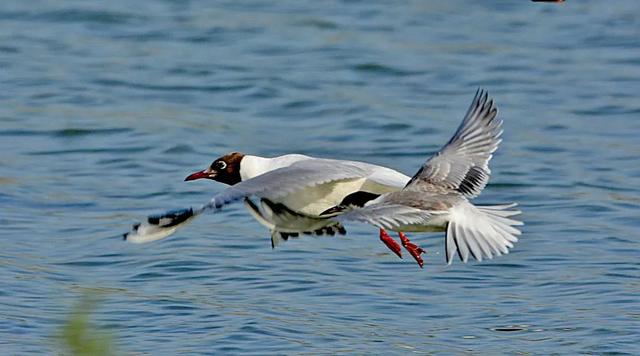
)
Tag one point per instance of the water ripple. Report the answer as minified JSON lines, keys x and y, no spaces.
{"x":172,"y":88}
{"x":106,"y":106}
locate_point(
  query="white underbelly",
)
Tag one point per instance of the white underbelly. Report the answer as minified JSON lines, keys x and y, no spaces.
{"x":315,"y":200}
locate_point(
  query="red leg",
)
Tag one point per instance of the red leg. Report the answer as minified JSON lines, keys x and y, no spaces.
{"x":413,"y":249}
{"x":390,"y":243}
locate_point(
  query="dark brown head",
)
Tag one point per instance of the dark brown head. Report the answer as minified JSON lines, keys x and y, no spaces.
{"x":225,"y":169}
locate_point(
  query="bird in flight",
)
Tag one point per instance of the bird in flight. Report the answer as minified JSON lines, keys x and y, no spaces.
{"x":295,"y":194}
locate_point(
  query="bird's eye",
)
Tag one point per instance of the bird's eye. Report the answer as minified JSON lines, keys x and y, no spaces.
{"x":221,"y":165}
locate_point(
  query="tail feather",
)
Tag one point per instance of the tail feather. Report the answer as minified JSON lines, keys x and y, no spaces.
{"x":481,"y":231}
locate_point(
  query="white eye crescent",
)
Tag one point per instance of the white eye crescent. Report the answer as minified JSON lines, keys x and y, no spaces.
{"x":221,"y":165}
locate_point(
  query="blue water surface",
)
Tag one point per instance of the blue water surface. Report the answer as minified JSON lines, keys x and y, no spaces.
{"x":106,"y":106}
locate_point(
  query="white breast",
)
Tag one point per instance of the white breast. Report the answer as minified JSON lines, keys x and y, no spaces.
{"x":314,"y":200}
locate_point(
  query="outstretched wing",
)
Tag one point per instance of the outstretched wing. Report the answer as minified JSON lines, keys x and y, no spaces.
{"x":271,"y":185}
{"x":300,"y":175}
{"x":463,"y":163}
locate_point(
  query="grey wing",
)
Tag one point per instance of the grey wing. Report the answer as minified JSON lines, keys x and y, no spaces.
{"x":271,"y":185}
{"x":386,"y":215}
{"x":463,"y":163}
{"x":286,"y":180}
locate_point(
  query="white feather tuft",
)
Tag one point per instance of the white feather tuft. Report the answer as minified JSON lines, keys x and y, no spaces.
{"x":481,"y":231}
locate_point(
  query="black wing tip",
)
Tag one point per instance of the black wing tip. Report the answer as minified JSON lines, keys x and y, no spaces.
{"x":482,"y":98}
{"x":485,"y":96}
{"x":481,"y":95}
{"x":481,"y":106}
{"x":172,"y":217}
{"x":484,"y":108}
{"x":337,"y":229}
{"x":135,"y":227}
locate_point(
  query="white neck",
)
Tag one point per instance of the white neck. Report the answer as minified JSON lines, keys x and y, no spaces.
{"x":252,"y":166}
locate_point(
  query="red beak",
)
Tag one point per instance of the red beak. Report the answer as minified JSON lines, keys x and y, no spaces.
{"x":197,"y":175}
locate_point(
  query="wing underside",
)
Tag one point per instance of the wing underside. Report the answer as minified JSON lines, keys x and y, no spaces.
{"x":462,"y":164}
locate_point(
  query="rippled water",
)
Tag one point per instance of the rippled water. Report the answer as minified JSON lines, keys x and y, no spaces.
{"x":106,"y":106}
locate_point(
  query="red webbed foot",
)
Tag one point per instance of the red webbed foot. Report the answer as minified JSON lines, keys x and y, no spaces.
{"x":390,"y":243}
{"x":413,"y":249}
